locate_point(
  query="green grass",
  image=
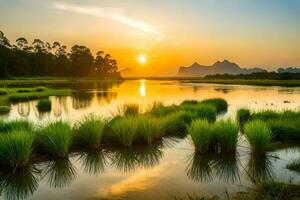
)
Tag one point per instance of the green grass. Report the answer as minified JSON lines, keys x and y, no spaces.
{"x":89,"y":131}
{"x":8,"y":126}
{"x":16,"y":148}
{"x":149,"y":129}
{"x":294,"y":165}
{"x":4,"y":110}
{"x":243,"y":115}
{"x":128,"y":110}
{"x":157,"y":109}
{"x":124,"y":130}
{"x":220,"y":104}
{"x":3,"y":91}
{"x":44,"y":105}
{"x":259,"y":136}
{"x":226,"y":133}
{"x":55,"y":138}
{"x":202,"y":134}
{"x":201,"y":111}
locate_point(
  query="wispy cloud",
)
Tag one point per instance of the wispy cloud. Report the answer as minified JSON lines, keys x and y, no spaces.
{"x":110,"y":14}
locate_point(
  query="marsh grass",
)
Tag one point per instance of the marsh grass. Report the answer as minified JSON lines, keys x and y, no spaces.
{"x":89,"y":131}
{"x":22,"y":125}
{"x":128,"y":110}
{"x":243,"y":115}
{"x":219,"y":103}
{"x":4,"y":110}
{"x":285,"y":129}
{"x":202,"y":134}
{"x":226,"y":133}
{"x":259,"y":136}
{"x":149,"y":129}
{"x":175,"y":124}
{"x":124,"y":130}
{"x":201,"y":111}
{"x":55,"y":139}
{"x":157,"y":109}
{"x":294,"y":165}
{"x":16,"y":148}
{"x":44,"y":105}
{"x":3,"y":91}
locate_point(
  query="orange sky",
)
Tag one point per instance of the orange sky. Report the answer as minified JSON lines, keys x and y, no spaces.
{"x":169,"y":33}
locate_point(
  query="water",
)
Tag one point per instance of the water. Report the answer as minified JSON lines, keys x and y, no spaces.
{"x":164,"y":171}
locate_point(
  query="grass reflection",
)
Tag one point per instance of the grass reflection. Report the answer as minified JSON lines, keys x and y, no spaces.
{"x":59,"y":173}
{"x":93,"y":161}
{"x":209,"y":166}
{"x":19,"y":183}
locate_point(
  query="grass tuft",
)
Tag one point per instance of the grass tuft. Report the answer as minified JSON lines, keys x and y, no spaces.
{"x":3,"y":91}
{"x":9,"y":126}
{"x":128,"y":110}
{"x":201,"y":111}
{"x":16,"y":148}
{"x":44,"y":105}
{"x":226,"y":133}
{"x":202,"y":133}
{"x":220,"y":104}
{"x":124,"y":129}
{"x":55,"y":138}
{"x":294,"y":165}
{"x":89,"y":131}
{"x":149,"y":129}
{"x":243,"y":115}
{"x":259,"y":136}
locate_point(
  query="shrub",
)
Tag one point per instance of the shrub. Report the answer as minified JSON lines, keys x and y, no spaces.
{"x":124,"y":129}
{"x":55,"y":138}
{"x":149,"y":129}
{"x":259,"y":136}
{"x":220,"y":104}
{"x":4,"y":110}
{"x":226,"y":133}
{"x":243,"y":115}
{"x":89,"y":131}
{"x":16,"y":148}
{"x":201,"y":132}
{"x":3,"y":91}
{"x":44,"y":105}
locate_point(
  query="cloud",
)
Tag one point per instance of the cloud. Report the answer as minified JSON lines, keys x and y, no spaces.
{"x":110,"y":14}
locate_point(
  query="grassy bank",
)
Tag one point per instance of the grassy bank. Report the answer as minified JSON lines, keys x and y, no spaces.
{"x":25,"y":94}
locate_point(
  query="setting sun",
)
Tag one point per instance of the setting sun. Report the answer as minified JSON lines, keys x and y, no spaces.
{"x":142,"y":59}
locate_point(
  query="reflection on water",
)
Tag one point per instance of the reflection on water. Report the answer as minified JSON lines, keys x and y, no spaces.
{"x":160,"y":171}
{"x":103,"y":98}
{"x":59,"y":173}
{"x":19,"y":183}
{"x":205,"y":168}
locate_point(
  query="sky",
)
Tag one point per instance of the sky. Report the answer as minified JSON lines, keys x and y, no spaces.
{"x":168,"y":33}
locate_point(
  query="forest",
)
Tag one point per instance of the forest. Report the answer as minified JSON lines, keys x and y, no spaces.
{"x":39,"y":58}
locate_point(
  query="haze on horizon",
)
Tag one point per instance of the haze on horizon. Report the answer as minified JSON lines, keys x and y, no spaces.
{"x":168,"y":33}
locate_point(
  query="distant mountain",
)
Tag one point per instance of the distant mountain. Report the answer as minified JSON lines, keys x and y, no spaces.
{"x":289,"y":70}
{"x":220,"y":67}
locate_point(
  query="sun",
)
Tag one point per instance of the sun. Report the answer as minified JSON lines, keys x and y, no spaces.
{"x":142,"y":59}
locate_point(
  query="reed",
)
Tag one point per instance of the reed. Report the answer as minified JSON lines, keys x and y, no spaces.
{"x":202,"y":133}
{"x":259,"y":136}
{"x":55,"y":138}
{"x":124,"y":130}
{"x":220,"y":104}
{"x":16,"y":148}
{"x":89,"y":131}
{"x":226,"y":132}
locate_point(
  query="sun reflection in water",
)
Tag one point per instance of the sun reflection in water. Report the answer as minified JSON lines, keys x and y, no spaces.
{"x":143,"y":87}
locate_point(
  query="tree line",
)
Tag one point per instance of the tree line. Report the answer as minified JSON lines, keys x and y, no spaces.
{"x":44,"y":59}
{"x":258,"y":75}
